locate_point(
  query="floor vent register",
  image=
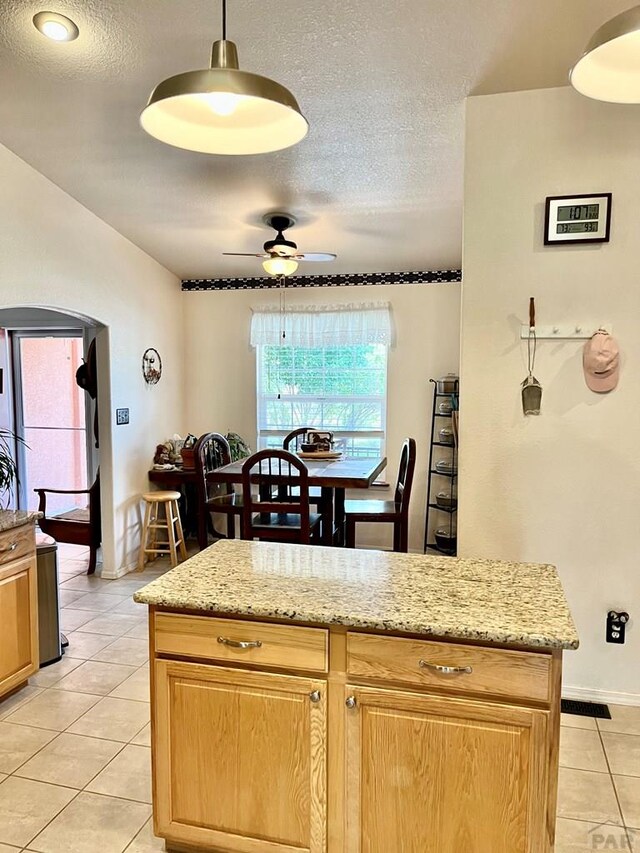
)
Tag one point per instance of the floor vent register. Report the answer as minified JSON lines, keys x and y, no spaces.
{"x":586,"y":709}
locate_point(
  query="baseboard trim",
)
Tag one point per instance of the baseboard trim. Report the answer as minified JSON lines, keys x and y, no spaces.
{"x":120,"y":573}
{"x":605,"y":696}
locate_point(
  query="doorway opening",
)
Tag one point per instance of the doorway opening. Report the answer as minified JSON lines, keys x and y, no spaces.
{"x":49,"y":406}
{"x":51,"y":415}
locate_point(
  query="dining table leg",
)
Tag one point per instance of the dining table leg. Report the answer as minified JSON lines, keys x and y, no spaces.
{"x":326,"y":511}
{"x":339,"y":516}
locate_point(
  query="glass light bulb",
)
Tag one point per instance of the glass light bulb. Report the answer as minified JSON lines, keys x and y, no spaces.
{"x":280,"y":266}
{"x":223,"y":103}
{"x":55,"y":30}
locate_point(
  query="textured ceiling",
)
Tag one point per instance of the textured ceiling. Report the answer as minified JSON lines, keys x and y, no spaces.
{"x":379,"y":178}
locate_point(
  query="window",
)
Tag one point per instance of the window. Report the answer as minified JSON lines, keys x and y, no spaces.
{"x":330,"y":374}
{"x":341,"y":389}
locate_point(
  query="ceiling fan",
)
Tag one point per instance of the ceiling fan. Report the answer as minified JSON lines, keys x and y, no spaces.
{"x":281,"y":256}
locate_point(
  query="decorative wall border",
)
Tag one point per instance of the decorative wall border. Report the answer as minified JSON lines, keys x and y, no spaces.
{"x":357,"y":279}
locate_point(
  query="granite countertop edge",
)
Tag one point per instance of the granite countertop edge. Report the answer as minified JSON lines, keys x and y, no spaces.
{"x":479,"y":600}
{"x":10,"y":519}
{"x":533,"y":641}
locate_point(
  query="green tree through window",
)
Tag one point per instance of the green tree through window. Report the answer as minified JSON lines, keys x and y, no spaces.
{"x":341,"y":389}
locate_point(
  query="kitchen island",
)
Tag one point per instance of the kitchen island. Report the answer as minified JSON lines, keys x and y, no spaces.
{"x":19,"y":656}
{"x":320,"y":699}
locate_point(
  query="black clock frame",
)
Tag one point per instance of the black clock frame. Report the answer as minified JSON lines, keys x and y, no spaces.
{"x":573,"y":241}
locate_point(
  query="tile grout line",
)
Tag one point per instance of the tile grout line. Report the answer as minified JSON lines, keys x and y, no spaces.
{"x":613,"y":783}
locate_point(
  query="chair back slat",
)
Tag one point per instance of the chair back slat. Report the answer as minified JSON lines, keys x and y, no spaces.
{"x":211,"y":451}
{"x":294,"y":439}
{"x":268,"y":478}
{"x":405,"y":475}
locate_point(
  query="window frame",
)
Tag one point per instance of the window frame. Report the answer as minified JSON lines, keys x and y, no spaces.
{"x":263,"y":434}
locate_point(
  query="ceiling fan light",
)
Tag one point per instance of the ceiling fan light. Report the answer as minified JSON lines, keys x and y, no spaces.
{"x":609,"y":69}
{"x":222,"y":110}
{"x":280,"y":266}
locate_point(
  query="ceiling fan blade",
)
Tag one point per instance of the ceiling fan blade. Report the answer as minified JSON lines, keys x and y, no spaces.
{"x":316,"y":256}
{"x":246,"y":255}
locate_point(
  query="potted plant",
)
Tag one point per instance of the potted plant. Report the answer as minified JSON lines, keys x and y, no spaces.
{"x":8,"y":469}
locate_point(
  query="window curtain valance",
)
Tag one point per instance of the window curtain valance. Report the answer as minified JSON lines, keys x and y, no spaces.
{"x":323,"y":326}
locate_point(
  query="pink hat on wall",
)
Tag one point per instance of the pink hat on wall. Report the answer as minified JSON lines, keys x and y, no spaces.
{"x":601,"y":362}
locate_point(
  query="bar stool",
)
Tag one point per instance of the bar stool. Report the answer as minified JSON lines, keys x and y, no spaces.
{"x":154,"y":521}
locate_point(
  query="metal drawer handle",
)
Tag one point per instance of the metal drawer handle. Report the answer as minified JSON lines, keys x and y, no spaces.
{"x":446,"y":670}
{"x":9,"y":548}
{"x":240,"y":644}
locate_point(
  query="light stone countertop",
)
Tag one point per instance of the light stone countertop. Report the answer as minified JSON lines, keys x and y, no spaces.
{"x":483,"y":600}
{"x":10,"y":518}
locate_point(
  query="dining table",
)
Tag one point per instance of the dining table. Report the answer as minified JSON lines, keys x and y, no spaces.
{"x":333,"y":476}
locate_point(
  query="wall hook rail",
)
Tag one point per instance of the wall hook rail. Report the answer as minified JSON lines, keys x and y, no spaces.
{"x":566,"y":331}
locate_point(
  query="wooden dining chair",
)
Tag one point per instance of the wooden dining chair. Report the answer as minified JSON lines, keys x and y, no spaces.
{"x":272,"y":511}
{"x":212,"y":451}
{"x":80,"y":526}
{"x":292,"y":442}
{"x":394,"y":512}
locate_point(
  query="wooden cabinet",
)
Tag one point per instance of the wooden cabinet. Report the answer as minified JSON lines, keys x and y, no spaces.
{"x":356,"y":746}
{"x":440,"y":775}
{"x":18,"y":608}
{"x":240,"y":759}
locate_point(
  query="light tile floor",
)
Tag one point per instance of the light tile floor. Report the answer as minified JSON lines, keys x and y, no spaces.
{"x":75,"y":743}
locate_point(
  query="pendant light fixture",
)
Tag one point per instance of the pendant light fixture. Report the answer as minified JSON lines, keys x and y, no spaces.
{"x":222,"y":110}
{"x":609,"y":69}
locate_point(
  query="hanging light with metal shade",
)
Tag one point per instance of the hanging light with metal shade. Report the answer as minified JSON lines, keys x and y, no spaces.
{"x":222,"y":110}
{"x":609,"y":69}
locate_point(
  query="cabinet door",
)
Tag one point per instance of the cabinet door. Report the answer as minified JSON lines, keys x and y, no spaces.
{"x":239,"y":759}
{"x":436,"y":775}
{"x":18,"y":623}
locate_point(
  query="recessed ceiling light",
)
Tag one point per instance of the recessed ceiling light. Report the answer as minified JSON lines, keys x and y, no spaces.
{"x":55,"y":26}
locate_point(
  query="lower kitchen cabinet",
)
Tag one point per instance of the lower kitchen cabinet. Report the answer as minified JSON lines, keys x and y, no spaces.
{"x":430,"y":774}
{"x":382,"y":744}
{"x":18,"y":621}
{"x":239,"y":759}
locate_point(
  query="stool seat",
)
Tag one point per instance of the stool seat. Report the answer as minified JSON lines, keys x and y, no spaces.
{"x":160,"y":497}
{"x":166,"y":520}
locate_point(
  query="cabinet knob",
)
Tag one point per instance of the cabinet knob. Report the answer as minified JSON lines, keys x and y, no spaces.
{"x":315,"y":696}
{"x":8,"y":548}
{"x":350,"y":702}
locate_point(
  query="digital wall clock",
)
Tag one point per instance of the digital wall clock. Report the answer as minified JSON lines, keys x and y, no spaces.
{"x":577,"y":219}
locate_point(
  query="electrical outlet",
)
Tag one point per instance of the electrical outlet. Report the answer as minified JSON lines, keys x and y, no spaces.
{"x":616,"y":626}
{"x":122,"y":416}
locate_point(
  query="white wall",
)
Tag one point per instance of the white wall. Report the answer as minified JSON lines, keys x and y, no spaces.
{"x":221,"y":373}
{"x":55,"y":253}
{"x":564,"y":487}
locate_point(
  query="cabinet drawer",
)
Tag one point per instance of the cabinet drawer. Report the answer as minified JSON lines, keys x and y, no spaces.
{"x":495,"y":672}
{"x":17,"y":543}
{"x":239,"y":641}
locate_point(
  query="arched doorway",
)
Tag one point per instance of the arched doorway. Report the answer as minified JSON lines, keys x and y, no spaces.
{"x":41,"y":348}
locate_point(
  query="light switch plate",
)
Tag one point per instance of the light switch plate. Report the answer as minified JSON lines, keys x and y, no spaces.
{"x":122,"y":416}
